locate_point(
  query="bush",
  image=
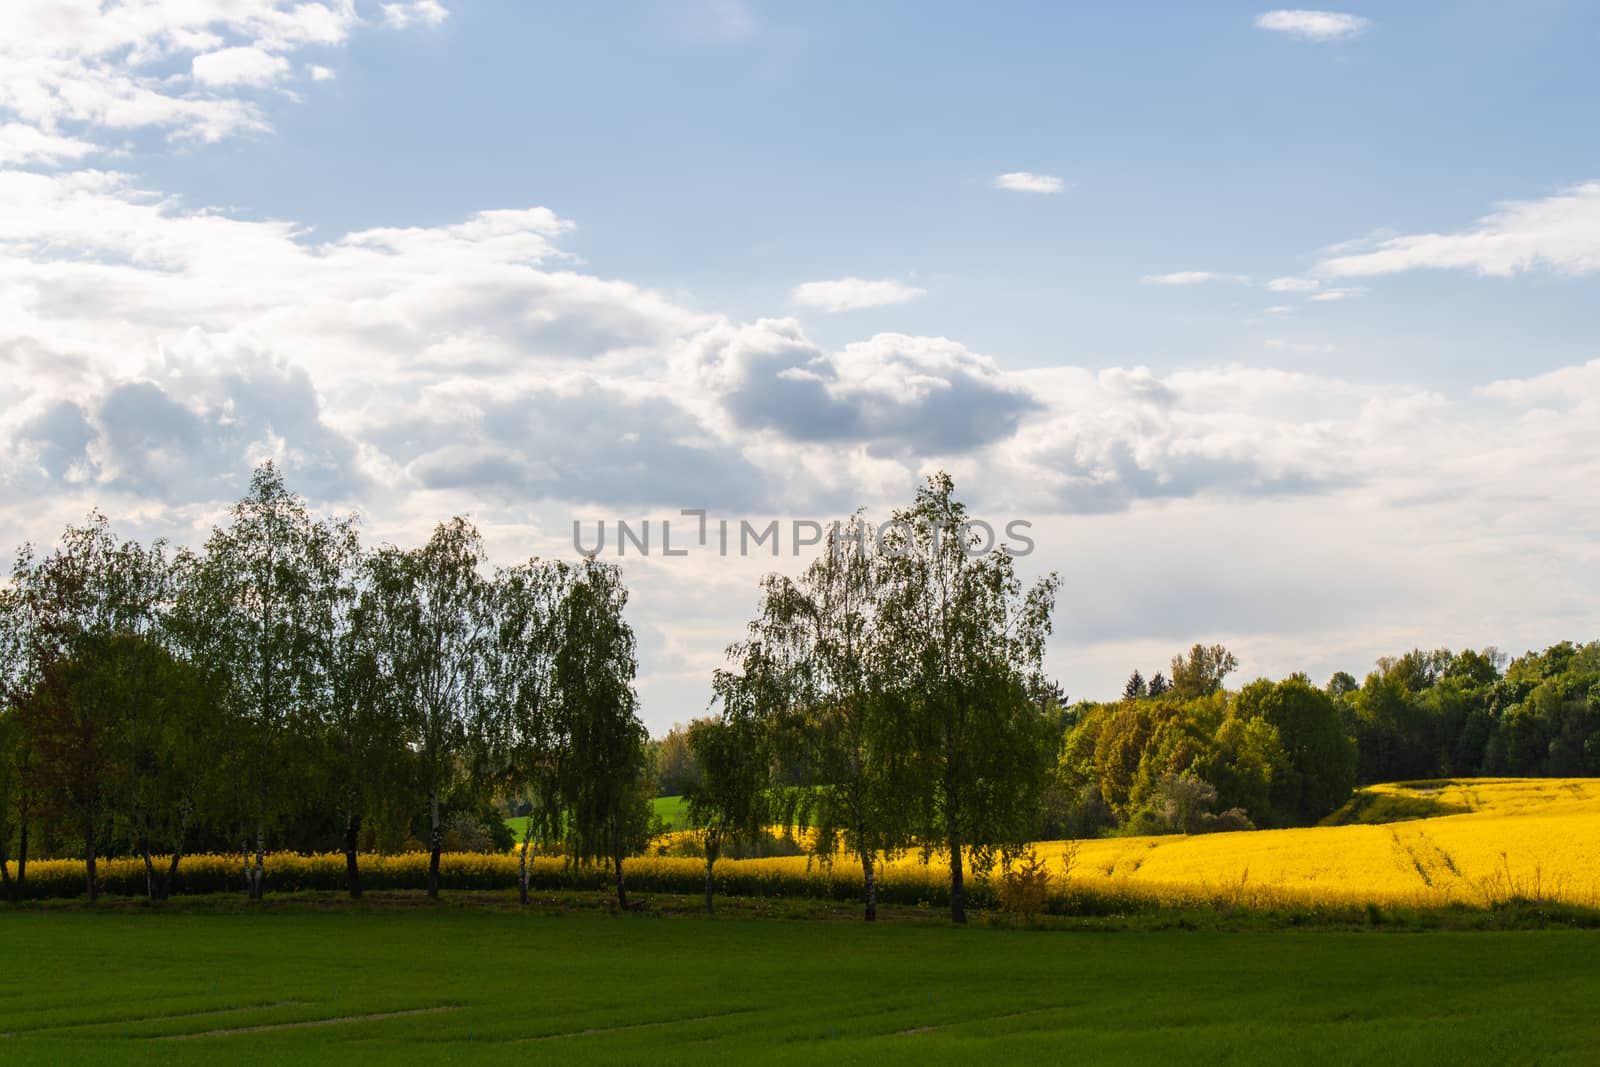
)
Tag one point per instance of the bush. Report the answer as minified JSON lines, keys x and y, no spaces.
{"x":1182,"y":804}
{"x":1024,"y":888}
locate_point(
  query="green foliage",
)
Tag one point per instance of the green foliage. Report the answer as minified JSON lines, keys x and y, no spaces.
{"x":677,"y":767}
{"x":1321,"y":766}
{"x":1201,"y":672}
{"x":604,"y":782}
{"x":965,"y":648}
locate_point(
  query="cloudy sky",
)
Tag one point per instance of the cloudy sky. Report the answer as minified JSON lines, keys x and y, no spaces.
{"x":1279,"y":326}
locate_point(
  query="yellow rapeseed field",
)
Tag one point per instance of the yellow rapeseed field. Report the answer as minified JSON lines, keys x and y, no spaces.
{"x":1475,"y":842}
{"x":1483,"y":841}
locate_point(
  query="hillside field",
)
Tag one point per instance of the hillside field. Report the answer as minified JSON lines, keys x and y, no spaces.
{"x":1471,"y":842}
{"x":437,"y":985}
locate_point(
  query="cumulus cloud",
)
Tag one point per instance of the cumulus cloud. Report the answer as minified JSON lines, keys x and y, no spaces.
{"x":1026,"y":181}
{"x":1313,"y":25}
{"x":852,"y":294}
{"x":70,"y":67}
{"x":20,"y":144}
{"x":892,"y":392}
{"x":238,"y":66}
{"x":151,"y":351}
{"x":1560,"y":233}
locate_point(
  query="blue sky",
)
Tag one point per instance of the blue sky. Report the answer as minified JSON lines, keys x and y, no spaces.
{"x":735,"y":156}
{"x":1285,"y":331}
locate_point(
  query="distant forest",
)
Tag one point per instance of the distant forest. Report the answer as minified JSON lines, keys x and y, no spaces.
{"x":1180,"y":753}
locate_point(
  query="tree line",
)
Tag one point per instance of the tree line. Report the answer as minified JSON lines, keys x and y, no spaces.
{"x":283,"y":687}
{"x":1173,"y":751}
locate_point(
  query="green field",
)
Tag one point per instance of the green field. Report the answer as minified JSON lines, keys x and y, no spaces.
{"x":431,"y":985}
{"x":671,"y":810}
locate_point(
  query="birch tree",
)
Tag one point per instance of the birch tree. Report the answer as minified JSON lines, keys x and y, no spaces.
{"x":430,"y":624}
{"x":730,"y":800}
{"x":604,"y":782}
{"x":245,"y":613}
{"x":815,"y":666}
{"x":531,"y":743}
{"x":14,"y":807}
{"x":966,"y":645}
{"x":67,"y":615}
{"x":360,"y":724}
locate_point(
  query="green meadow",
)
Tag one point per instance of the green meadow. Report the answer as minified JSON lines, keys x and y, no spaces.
{"x":672,"y":812}
{"x":440,"y":984}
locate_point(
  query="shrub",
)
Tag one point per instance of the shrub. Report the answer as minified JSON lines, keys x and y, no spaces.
{"x":1024,"y":887}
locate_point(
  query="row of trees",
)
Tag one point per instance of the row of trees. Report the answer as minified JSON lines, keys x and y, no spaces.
{"x":1289,"y":753}
{"x":283,"y":681}
{"x":887,"y":699}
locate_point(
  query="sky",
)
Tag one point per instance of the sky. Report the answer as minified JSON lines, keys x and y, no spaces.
{"x":1277,"y":325}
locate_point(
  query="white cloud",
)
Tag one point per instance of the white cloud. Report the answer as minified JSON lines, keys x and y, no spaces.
{"x":239,"y":66}
{"x":20,"y":143}
{"x":1025,"y":181}
{"x":320,"y":73}
{"x":1331,"y":295}
{"x":852,"y":294}
{"x":1191,"y":277}
{"x":151,"y":350}
{"x":415,"y":13}
{"x":1313,"y":25}
{"x":1560,"y":232}
{"x":69,"y":68}
{"x":1293,"y":285}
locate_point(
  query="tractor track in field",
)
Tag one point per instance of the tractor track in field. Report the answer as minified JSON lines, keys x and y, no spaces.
{"x":307,"y":1023}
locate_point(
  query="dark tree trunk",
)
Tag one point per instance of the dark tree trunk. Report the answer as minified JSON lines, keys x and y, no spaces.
{"x":5,"y":874}
{"x":352,"y":839}
{"x":258,"y":881}
{"x":22,"y":855}
{"x":172,"y":871}
{"x":164,"y":888}
{"x":958,"y":886}
{"x":438,"y":845}
{"x":149,"y":867}
{"x":869,"y":880}
{"x":622,"y":889}
{"x":89,"y":874}
{"x":711,"y":860}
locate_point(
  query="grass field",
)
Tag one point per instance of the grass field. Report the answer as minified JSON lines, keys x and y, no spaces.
{"x":670,"y":810}
{"x":443,"y":985}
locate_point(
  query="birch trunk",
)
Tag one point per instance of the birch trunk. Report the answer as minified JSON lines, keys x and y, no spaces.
{"x":525,"y":863}
{"x":437,"y":847}
{"x":713,"y":850}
